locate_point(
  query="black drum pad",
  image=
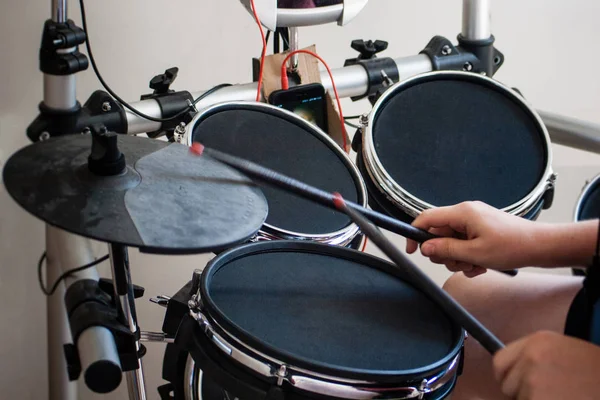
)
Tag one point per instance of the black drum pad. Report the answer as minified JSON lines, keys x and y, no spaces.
{"x":329,"y":311}
{"x":446,"y":141}
{"x":282,"y":143}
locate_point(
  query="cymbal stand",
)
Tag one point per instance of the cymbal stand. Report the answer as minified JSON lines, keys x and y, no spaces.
{"x":125,"y":303}
{"x":59,"y":96}
{"x":60,"y":60}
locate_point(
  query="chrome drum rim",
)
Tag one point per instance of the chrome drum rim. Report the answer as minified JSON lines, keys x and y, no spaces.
{"x":413,"y":205}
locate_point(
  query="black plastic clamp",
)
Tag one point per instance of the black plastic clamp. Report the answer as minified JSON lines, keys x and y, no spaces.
{"x":471,"y":56}
{"x":170,"y":102}
{"x":99,"y":109}
{"x":62,"y":36}
{"x":380,"y":71}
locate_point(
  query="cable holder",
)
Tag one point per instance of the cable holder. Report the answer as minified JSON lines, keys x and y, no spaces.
{"x":90,"y":303}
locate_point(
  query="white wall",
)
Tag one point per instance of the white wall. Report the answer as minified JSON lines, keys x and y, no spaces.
{"x":551,"y":57}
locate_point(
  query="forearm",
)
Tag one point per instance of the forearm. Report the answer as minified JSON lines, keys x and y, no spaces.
{"x":564,"y":245}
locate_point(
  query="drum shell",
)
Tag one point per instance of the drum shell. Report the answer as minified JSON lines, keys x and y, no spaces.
{"x":397,"y":201}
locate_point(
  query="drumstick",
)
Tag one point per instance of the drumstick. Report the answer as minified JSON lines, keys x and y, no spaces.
{"x":454,"y":310}
{"x":317,"y":195}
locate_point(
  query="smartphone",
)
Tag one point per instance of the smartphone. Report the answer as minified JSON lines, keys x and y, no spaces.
{"x":306,"y":101}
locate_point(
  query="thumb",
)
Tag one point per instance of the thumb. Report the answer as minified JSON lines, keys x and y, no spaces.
{"x":449,"y":249}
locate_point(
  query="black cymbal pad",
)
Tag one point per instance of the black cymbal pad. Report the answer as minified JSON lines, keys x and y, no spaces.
{"x":167,"y":201}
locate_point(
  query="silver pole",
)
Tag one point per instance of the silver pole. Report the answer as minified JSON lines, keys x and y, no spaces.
{"x":99,"y":359}
{"x":350,"y":81}
{"x":294,"y":45}
{"x":59,"y":93}
{"x":125,"y":303}
{"x":59,"y":90}
{"x":59,"y":11}
{"x":572,"y":132}
{"x":59,"y":332}
{"x":155,"y":337}
{"x":477,"y":19}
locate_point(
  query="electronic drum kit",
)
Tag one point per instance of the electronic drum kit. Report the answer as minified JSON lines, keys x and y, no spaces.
{"x":289,"y":308}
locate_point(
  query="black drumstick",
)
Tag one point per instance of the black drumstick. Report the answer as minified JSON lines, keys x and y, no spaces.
{"x":456,"y":312}
{"x":317,"y":195}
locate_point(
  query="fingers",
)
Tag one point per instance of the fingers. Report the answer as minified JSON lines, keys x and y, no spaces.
{"x":470,"y":270}
{"x":476,"y":271}
{"x":412,"y":246}
{"x":449,"y":249}
{"x":512,"y":382}
{"x":454,"y":217}
{"x":506,"y":358}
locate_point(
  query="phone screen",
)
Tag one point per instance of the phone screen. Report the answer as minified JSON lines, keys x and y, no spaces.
{"x":308,"y":104}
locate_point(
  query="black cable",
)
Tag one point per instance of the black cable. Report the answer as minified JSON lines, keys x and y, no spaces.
{"x":351,"y":125}
{"x":353,"y":117}
{"x":267,"y":37}
{"x":119,"y":99}
{"x":64,"y":275}
{"x":276,"y":42}
{"x":285,"y":36}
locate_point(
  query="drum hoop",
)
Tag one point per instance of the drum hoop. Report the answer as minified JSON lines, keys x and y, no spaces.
{"x":212,"y":311}
{"x":340,"y":237}
{"x":315,"y":382}
{"x":414,"y":206}
{"x":589,"y":185}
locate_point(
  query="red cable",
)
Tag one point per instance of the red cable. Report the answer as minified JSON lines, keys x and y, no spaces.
{"x":264,"y":50}
{"x":285,"y":84}
{"x":364,"y":246}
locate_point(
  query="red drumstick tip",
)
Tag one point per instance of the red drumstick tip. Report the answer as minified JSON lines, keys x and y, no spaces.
{"x":338,"y":201}
{"x":197,"y":148}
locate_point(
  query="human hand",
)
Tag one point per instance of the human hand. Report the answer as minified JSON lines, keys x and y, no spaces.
{"x":476,"y":237}
{"x":548,"y":366}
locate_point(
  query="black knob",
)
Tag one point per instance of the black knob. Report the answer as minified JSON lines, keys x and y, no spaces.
{"x":105,"y":159}
{"x":368,"y":49}
{"x":161,"y":83}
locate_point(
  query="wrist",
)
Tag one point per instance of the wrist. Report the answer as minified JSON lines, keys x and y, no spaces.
{"x":563,"y":245}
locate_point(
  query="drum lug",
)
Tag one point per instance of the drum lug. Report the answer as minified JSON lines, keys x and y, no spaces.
{"x":179,"y":133}
{"x":364,"y":121}
{"x":281,"y":375}
{"x":202,"y":321}
{"x":552,"y":179}
{"x":423,"y":389}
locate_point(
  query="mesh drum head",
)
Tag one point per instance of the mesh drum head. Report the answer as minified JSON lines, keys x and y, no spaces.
{"x":287,"y":144}
{"x":445,"y":138}
{"x":328,"y":309}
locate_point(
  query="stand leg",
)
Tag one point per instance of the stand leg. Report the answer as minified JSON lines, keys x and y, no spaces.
{"x":126,"y":306}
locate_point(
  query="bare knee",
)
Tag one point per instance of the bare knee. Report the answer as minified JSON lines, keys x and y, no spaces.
{"x":462,"y":289}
